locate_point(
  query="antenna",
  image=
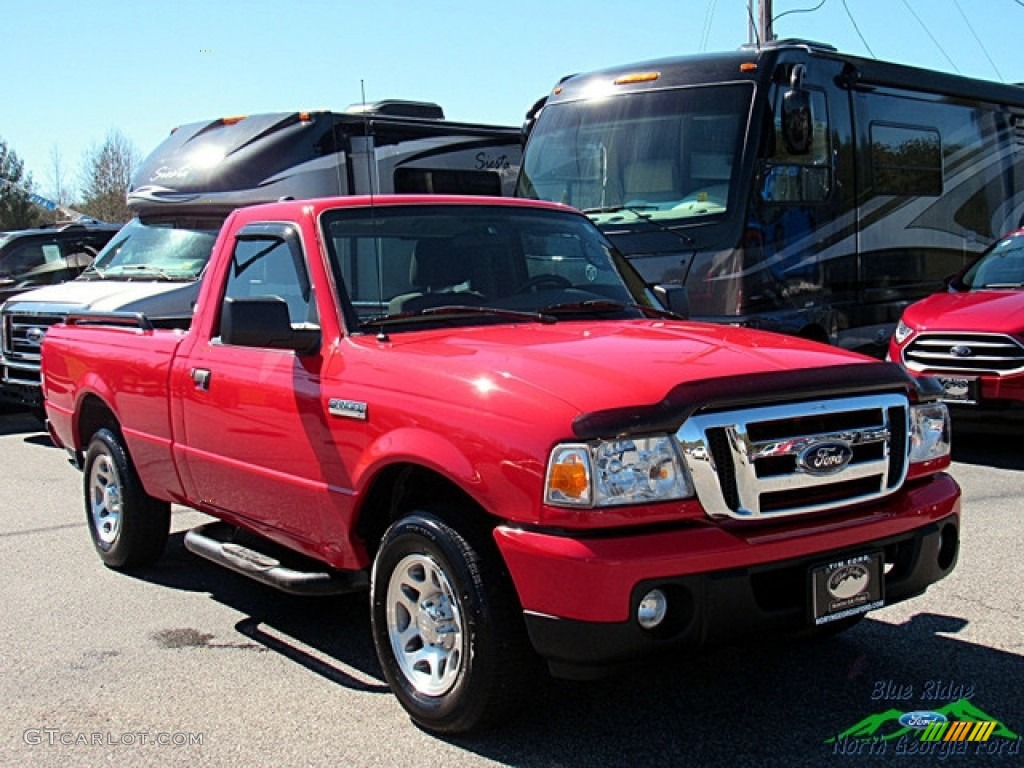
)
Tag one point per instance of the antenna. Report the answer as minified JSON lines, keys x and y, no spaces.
{"x":371,"y":165}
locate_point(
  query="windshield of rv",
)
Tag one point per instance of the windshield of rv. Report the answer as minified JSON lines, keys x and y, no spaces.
{"x":668,"y":155}
{"x":156,"y":251}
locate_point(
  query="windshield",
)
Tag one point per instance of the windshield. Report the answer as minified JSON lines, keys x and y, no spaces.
{"x":408,"y":266}
{"x":669,"y":155}
{"x":156,"y":251}
{"x":1001,"y":267}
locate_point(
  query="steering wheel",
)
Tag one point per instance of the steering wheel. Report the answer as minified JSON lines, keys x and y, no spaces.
{"x":551,"y":281}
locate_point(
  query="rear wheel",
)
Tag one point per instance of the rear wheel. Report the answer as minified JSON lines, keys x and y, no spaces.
{"x":447,"y":626}
{"x":129,"y":528}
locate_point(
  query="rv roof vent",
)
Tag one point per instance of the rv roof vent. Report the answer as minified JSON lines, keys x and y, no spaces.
{"x":795,"y":42}
{"x":399,"y":108}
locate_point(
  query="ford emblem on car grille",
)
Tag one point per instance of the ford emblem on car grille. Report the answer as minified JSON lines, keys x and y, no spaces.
{"x":34,"y":336}
{"x":960,"y":350}
{"x":824,"y":458}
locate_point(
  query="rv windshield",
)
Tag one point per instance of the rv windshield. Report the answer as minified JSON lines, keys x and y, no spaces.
{"x":668,"y":156}
{"x":155,"y":251}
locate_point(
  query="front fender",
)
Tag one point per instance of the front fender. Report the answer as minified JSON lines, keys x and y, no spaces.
{"x":410,"y":445}
{"x":504,"y":479}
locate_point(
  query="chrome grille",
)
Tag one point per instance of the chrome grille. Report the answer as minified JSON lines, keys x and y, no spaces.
{"x":22,"y":344}
{"x":992,"y":353}
{"x":754,"y":463}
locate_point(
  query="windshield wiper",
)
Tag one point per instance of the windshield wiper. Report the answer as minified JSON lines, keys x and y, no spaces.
{"x":457,"y":310}
{"x":606,"y":306}
{"x":92,"y":269}
{"x":636,"y":210}
{"x":1003,"y":285}
{"x":146,"y":269}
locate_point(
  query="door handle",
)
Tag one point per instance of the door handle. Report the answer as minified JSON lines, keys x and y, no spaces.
{"x":201,"y":378}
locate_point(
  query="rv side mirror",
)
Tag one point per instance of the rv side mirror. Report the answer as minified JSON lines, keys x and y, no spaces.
{"x":263,"y":321}
{"x":674,"y":299}
{"x":797,"y":129}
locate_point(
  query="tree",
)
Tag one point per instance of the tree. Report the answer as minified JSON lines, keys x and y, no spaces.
{"x":107,"y":174}
{"x":60,"y":190}
{"x":16,"y":208}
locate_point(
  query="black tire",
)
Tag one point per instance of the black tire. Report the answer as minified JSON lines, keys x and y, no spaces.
{"x":129,"y":528}
{"x":447,"y":626}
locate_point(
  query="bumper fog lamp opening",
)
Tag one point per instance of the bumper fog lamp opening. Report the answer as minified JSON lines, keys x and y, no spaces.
{"x":652,"y":609}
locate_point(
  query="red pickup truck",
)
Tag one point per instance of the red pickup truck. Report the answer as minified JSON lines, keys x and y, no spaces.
{"x":476,"y":410}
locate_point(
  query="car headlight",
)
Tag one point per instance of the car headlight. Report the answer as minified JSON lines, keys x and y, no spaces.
{"x":929,"y":432}
{"x":902,"y":332}
{"x":635,"y":470}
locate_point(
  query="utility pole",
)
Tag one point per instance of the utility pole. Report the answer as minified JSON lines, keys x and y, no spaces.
{"x":760,"y":28}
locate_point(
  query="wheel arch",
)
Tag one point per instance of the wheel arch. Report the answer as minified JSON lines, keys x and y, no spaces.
{"x":92,"y":415}
{"x":401,"y":487}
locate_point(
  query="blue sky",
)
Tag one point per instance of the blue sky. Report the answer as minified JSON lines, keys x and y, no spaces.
{"x":78,"y":68}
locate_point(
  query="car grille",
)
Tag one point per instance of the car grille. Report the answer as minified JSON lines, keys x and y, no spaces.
{"x":22,"y":341}
{"x":991,"y":353}
{"x":759,"y":462}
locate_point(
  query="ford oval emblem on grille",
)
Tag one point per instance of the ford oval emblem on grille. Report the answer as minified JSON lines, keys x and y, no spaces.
{"x":824,"y":458}
{"x":960,"y":350}
{"x":34,"y":336}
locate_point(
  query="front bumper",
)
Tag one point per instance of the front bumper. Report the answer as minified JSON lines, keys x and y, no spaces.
{"x":580,"y":595}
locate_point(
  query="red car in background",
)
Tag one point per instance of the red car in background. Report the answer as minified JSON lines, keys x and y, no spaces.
{"x":972,"y":336}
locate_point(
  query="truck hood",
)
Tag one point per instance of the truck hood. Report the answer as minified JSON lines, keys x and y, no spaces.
{"x":591,"y":366}
{"x":990,"y":311}
{"x":106,"y":296}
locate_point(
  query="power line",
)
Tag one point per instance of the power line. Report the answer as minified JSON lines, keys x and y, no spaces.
{"x":800,"y":10}
{"x":977,"y":39}
{"x":928,"y":32}
{"x":857,"y":30}
{"x":709,"y":15}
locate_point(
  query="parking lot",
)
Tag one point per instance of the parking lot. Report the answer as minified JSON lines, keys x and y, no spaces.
{"x":186,"y":664}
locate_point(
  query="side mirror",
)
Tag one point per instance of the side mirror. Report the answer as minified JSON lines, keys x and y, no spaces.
{"x":263,"y":321}
{"x":674,"y":298}
{"x":797,"y":128}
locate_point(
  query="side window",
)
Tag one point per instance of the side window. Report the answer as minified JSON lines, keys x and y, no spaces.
{"x":906,"y":160}
{"x":28,"y":256}
{"x":803,"y":177}
{"x":272,"y":266}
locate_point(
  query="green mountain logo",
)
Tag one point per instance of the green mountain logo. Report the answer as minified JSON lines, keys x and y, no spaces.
{"x":886,"y":726}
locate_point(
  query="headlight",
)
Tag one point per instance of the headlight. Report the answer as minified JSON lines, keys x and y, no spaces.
{"x":637,"y":470}
{"x":903,"y":332}
{"x":929,"y":432}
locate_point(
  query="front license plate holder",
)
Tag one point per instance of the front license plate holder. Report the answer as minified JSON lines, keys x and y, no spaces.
{"x":847,"y":586}
{"x":959,"y":389}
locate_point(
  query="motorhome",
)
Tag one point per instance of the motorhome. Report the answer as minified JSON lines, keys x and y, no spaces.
{"x":182,"y":192}
{"x":789,"y":186}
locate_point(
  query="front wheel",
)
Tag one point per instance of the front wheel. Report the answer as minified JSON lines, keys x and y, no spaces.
{"x":446,"y":625}
{"x":129,"y":528}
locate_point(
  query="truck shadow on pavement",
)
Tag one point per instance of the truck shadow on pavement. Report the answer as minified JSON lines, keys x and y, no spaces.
{"x":329,"y":636}
{"x":988,"y":441}
{"x":765,"y":702}
{"x":18,"y":422}
{"x":773,"y":703}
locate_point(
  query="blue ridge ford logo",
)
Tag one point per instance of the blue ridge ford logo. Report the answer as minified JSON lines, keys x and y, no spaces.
{"x":921,"y":719}
{"x":825,"y":458}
